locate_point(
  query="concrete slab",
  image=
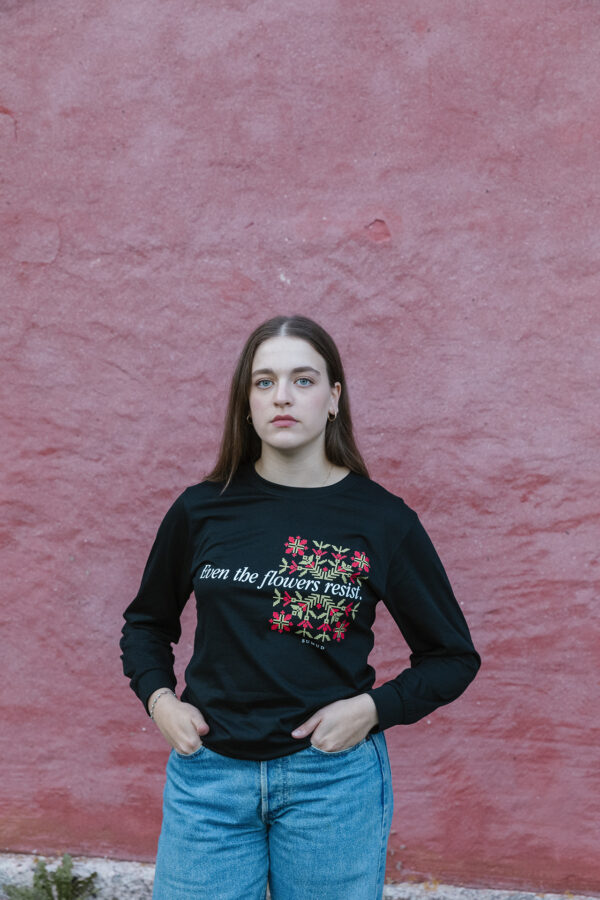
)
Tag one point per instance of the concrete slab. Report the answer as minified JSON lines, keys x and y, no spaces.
{"x":124,"y":880}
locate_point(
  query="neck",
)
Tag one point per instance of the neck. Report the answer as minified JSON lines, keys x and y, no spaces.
{"x":297,"y":471}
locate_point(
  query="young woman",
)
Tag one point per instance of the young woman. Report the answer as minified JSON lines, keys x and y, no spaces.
{"x":278,"y":768}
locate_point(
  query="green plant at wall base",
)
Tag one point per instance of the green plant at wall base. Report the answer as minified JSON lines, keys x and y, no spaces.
{"x":60,"y":884}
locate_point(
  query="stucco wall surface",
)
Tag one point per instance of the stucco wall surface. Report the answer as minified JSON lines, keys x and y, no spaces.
{"x":422,"y":178}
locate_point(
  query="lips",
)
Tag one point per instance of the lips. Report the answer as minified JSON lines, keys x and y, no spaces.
{"x":284,"y":419}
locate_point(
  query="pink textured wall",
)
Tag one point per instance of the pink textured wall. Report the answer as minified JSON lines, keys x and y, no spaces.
{"x":422,"y":178}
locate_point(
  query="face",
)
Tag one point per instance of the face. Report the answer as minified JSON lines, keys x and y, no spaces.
{"x":290,"y":395}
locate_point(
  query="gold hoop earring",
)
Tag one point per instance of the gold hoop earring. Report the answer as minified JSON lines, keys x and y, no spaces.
{"x":249,"y":419}
{"x":331,"y":417}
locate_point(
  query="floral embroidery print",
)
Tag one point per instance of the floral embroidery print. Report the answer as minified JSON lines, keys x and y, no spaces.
{"x":280,"y":622}
{"x":361,"y":561}
{"x":321,"y":564}
{"x":317,"y":616}
{"x":295,"y":545}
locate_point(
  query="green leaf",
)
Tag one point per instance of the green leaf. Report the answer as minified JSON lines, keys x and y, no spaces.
{"x":60,"y":884}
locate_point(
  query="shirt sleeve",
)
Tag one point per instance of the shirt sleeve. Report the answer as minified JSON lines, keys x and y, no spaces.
{"x":443,"y":660}
{"x":152,"y":620}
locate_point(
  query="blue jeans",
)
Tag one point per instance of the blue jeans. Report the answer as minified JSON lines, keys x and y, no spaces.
{"x":315,"y":824}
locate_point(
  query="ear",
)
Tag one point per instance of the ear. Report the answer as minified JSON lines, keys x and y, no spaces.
{"x":336,"y":390}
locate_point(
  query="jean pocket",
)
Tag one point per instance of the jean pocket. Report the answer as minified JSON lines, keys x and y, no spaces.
{"x":344,"y":752}
{"x":193,"y":755}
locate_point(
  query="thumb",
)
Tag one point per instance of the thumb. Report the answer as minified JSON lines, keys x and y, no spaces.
{"x":199,"y":722}
{"x":307,"y":727}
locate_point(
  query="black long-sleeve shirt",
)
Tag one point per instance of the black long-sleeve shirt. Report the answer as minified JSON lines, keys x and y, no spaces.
{"x":286,"y":581}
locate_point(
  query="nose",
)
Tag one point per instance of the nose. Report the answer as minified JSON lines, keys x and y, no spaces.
{"x":282,"y":393}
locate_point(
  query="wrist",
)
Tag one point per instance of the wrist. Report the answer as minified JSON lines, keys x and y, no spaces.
{"x":370,"y":710}
{"x":158,"y":696}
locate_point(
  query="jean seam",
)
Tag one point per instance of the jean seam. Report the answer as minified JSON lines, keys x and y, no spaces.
{"x":264,"y":791}
{"x":385,"y":791}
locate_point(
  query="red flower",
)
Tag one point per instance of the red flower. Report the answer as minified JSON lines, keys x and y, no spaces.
{"x":280,"y":621}
{"x":324,"y":627}
{"x":361,"y":561}
{"x":295,"y":545}
{"x":339,"y":631}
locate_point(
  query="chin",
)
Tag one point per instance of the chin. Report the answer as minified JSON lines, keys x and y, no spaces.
{"x":283,"y":443}
{"x":282,"y":436}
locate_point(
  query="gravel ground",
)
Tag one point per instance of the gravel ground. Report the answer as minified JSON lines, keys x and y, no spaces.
{"x":133,"y":881}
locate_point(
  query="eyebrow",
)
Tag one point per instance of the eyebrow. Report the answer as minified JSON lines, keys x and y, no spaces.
{"x":293,"y":371}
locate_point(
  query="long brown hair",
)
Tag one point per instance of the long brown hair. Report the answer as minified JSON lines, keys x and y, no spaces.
{"x":240,"y":443}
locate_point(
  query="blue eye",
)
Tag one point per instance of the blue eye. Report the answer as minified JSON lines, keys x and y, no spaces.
{"x":262,"y":382}
{"x":305,"y":379}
